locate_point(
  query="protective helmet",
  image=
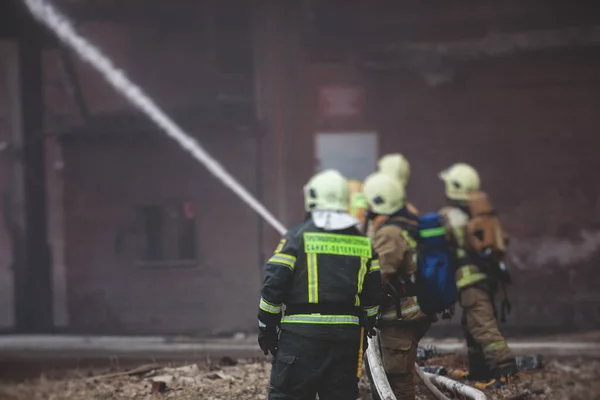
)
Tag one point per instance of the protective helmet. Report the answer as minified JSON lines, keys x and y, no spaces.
{"x":384,"y":193}
{"x":326,"y":191}
{"x":396,"y":165}
{"x":309,"y":202}
{"x":461,"y":180}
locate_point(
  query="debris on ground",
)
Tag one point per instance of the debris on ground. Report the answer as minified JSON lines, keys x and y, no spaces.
{"x":227,"y":379}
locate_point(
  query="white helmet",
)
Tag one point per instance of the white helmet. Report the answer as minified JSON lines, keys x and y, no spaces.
{"x":384,"y":193}
{"x":396,"y":165}
{"x":326,"y":191}
{"x":461,"y":180}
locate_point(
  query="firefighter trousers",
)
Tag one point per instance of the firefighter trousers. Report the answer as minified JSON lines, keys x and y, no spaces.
{"x":399,"y":342}
{"x":305,"y":366}
{"x":489,"y":355}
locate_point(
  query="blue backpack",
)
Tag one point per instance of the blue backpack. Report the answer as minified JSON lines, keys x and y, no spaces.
{"x":435,"y":278}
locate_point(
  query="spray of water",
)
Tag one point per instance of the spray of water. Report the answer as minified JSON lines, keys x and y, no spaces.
{"x":49,"y":16}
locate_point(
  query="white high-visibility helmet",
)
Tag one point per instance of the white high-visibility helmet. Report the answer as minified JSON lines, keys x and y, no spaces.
{"x":326,"y":191}
{"x":384,"y":193}
{"x":396,"y":165}
{"x":461,"y":180}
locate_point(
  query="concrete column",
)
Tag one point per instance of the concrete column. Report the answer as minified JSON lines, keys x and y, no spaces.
{"x":25,"y":211}
{"x":276,"y":52}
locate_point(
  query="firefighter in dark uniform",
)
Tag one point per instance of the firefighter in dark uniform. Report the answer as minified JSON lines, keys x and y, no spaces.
{"x":326,"y":275}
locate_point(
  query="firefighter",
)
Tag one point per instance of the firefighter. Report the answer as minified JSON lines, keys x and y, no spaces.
{"x":327,"y":275}
{"x":402,"y":323}
{"x":397,"y":166}
{"x":490,"y":360}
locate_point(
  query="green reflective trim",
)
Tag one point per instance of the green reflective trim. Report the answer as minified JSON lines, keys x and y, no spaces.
{"x":372,"y":311}
{"x":362,"y":272}
{"x":495,"y":346}
{"x":469,"y":280}
{"x":468,"y":277}
{"x":283,"y":259}
{"x":358,"y":201}
{"x":320,"y":319}
{"x":374,"y":266}
{"x":342,"y":245}
{"x":313,"y":278}
{"x":268,"y":307}
{"x":411,"y":242}
{"x":427,"y":233}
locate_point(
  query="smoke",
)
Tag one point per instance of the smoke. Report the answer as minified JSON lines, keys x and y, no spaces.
{"x":49,"y":16}
{"x":528,"y":254}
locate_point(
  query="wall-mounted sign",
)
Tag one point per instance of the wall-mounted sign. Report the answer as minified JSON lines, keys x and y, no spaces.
{"x":340,"y":101}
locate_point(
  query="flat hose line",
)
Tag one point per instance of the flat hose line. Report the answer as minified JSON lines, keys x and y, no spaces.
{"x":384,"y":390}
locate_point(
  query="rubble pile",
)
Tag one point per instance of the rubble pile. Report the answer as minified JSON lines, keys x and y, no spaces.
{"x":227,"y":379}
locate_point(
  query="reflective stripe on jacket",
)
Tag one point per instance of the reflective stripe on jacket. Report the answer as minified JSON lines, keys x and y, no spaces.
{"x":328,"y":280}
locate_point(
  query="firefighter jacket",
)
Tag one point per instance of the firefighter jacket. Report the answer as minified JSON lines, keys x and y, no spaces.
{"x":327,"y":281}
{"x":396,"y":245}
{"x":468,"y":272}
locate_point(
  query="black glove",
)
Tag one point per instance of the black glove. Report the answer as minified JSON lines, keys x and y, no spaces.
{"x":268,"y":339}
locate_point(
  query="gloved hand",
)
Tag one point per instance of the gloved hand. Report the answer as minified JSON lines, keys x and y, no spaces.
{"x":268,"y":339}
{"x":370,"y":327}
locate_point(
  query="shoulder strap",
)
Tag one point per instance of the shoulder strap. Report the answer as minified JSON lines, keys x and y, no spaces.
{"x":409,"y":227}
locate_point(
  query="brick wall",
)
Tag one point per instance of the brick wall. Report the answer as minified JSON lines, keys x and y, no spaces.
{"x":530,"y":125}
{"x":107,"y":292}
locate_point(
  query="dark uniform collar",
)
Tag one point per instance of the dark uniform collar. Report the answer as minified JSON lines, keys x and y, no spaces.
{"x":404,"y":215}
{"x":461,"y":204}
{"x":307,"y":216}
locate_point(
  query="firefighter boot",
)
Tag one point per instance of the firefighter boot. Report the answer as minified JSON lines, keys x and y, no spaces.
{"x":503,"y":375}
{"x":478,"y":368}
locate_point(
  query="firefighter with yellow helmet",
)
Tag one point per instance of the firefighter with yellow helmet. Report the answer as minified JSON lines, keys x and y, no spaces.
{"x":395,"y":165}
{"x":402,"y":324}
{"x":327,"y":275}
{"x":481,"y":245}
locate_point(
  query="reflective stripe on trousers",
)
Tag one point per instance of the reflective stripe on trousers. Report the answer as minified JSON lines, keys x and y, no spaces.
{"x":408,"y":311}
{"x":468,"y":277}
{"x":495,"y":346}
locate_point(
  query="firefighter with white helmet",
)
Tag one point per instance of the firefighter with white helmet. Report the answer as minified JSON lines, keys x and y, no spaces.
{"x":469,"y":215}
{"x":327,"y":275}
{"x":460,"y":181}
{"x":396,"y":166}
{"x":402,"y":323}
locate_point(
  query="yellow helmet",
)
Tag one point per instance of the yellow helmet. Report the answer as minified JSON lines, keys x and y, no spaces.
{"x":327,"y":190}
{"x":396,"y":165}
{"x":384,"y":193}
{"x":461,"y":180}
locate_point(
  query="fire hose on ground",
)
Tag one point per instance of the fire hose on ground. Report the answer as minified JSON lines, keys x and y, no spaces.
{"x":384,"y":390}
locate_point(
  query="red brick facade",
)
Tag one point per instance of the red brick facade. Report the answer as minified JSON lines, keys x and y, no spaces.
{"x":528,"y":124}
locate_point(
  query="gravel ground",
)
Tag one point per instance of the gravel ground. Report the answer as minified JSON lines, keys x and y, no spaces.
{"x":567,"y":378}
